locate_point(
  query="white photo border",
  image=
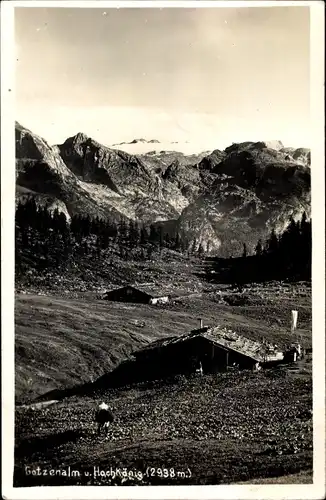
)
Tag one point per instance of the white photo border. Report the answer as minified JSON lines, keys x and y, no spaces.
{"x":294,"y":491}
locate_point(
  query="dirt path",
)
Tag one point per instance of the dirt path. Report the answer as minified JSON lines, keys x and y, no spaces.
{"x":42,"y":404}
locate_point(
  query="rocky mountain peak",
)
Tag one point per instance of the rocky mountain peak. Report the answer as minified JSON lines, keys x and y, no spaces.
{"x":138,"y":141}
{"x":80,"y":137}
{"x":277,"y":145}
{"x":76,"y":140}
{"x":151,"y":141}
{"x":210,"y":161}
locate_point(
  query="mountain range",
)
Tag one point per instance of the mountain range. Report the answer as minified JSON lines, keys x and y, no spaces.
{"x":222,"y":199}
{"x":136,"y":141}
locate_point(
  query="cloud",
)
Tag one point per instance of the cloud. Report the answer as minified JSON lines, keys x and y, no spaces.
{"x":185,"y":74}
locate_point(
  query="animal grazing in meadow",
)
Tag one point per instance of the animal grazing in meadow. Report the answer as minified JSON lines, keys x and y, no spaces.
{"x":199,"y":369}
{"x":103,"y":417}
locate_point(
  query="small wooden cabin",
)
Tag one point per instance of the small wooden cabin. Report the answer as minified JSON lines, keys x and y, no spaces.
{"x":206,"y":350}
{"x":214,"y":349}
{"x":139,"y":295}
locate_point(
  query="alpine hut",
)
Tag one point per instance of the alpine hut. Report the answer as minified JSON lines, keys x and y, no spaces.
{"x":140,"y":294}
{"x":211,"y":349}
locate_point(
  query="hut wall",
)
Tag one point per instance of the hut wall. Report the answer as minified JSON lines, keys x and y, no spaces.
{"x":184,"y":358}
{"x":241,"y":360}
{"x":159,"y":300}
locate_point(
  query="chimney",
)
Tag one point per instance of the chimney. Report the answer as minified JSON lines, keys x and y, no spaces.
{"x":201,"y":323}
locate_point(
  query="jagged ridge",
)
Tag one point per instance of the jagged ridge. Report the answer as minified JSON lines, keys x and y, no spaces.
{"x":222,"y":199}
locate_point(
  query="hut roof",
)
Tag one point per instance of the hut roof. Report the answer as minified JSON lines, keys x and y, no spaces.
{"x":219,"y":336}
{"x":150,"y":289}
{"x":231,"y":340}
{"x":153,"y":290}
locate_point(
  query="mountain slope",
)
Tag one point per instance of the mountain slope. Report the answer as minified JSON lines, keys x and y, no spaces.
{"x":90,"y":178}
{"x":144,"y":194}
{"x":255,"y":190}
{"x":300,"y":155}
{"x":41,"y":170}
{"x":76,"y":340}
{"x":159,"y":161}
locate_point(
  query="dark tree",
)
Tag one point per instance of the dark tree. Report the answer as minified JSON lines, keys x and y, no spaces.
{"x":134,"y":233}
{"x":177,"y":242}
{"x":272,"y":244}
{"x":154,"y":235}
{"x":194,"y":246}
{"x":201,"y":250}
{"x":259,"y":249}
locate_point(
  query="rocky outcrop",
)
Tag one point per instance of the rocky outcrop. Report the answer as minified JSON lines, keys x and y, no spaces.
{"x":277,"y":145}
{"x":90,"y":178}
{"x":299,"y":155}
{"x":186,"y":178}
{"x":143,"y":193}
{"x":255,"y":190}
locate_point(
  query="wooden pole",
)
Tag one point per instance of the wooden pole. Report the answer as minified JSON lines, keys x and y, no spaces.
{"x":294,"y":319}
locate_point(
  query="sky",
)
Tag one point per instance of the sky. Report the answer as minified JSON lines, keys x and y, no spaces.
{"x":208,"y":76}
